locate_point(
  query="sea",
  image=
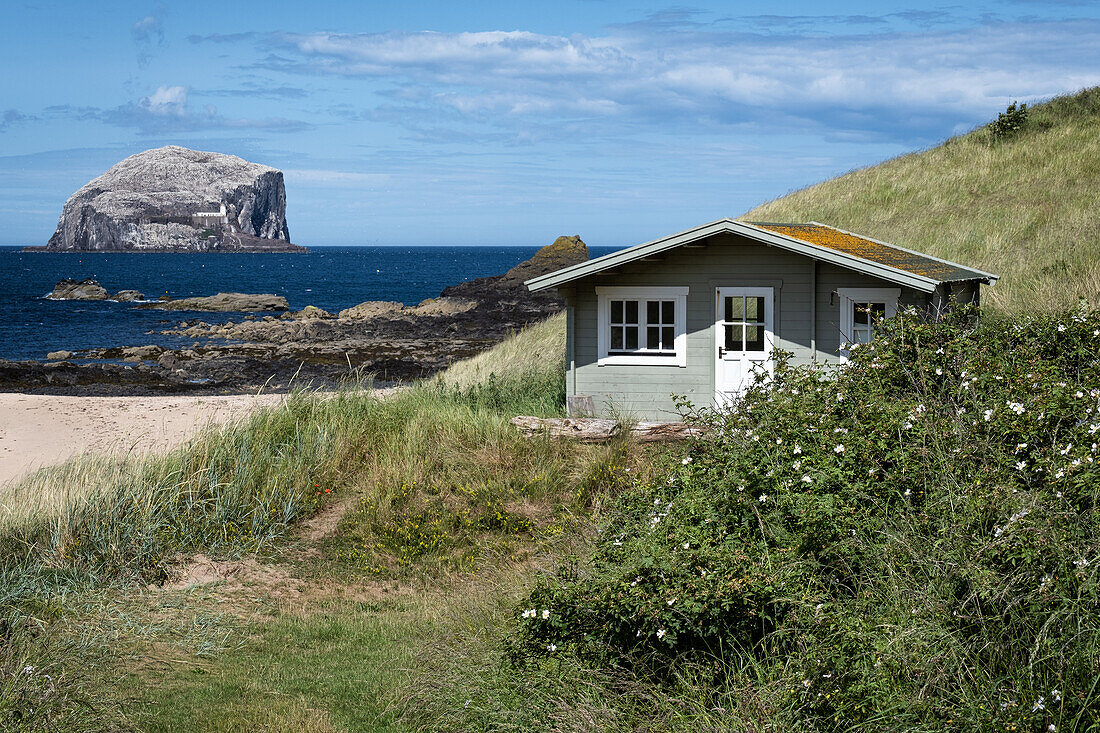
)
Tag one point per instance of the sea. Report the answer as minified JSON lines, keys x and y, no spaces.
{"x":332,"y":278}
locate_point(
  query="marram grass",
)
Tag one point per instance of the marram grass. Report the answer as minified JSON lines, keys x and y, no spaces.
{"x":1022,"y":206}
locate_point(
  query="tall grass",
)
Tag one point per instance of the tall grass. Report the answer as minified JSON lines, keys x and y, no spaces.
{"x":1022,"y":207}
{"x":438,"y":460}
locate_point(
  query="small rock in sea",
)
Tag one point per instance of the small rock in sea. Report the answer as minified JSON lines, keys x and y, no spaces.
{"x":69,"y":289}
{"x":124,"y":296}
{"x":59,"y":355}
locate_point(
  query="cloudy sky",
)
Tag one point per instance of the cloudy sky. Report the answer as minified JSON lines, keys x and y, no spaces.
{"x":511,"y":122}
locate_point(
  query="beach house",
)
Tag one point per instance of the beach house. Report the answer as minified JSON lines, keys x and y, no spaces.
{"x":697,"y":312}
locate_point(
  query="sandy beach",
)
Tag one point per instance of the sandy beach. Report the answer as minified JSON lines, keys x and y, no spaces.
{"x":42,"y":430}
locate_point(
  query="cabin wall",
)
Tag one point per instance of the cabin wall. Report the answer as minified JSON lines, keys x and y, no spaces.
{"x":725,"y":260}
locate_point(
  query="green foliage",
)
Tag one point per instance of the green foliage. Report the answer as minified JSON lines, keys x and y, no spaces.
{"x":1009,"y":123}
{"x":910,"y":542}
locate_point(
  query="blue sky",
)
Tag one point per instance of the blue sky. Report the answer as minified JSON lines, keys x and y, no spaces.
{"x":511,"y":123}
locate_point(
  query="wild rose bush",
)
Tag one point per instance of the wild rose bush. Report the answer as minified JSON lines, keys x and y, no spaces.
{"x":907,"y":540}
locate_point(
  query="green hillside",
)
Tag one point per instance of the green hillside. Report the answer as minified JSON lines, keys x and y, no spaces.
{"x":1022,"y":205}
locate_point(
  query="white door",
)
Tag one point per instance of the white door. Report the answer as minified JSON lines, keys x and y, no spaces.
{"x":744,"y":335}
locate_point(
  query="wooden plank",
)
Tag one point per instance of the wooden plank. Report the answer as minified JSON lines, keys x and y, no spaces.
{"x":597,"y":430}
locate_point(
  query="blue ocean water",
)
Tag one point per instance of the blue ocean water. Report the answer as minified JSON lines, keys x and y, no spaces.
{"x":332,"y":278}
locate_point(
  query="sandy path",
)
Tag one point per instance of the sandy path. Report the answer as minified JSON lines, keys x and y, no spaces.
{"x":41,"y":430}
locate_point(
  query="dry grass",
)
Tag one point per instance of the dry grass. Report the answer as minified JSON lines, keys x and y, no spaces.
{"x":1024,"y":208}
{"x":534,"y":347}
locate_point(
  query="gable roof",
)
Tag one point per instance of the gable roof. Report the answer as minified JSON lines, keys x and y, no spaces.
{"x":818,"y":241}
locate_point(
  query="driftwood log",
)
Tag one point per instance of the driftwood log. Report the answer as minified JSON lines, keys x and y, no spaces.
{"x":598,"y":430}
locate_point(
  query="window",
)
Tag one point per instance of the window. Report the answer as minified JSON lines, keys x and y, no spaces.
{"x":642,"y":325}
{"x":744,"y":323}
{"x":860,"y":308}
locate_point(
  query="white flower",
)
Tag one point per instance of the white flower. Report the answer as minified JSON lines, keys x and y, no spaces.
{"x":1056,"y":695}
{"x":1016,"y":407}
{"x":763,"y":498}
{"x":839,"y":448}
{"x":1067,"y":449}
{"x":1082,"y":563}
{"x":661,"y":633}
{"x":939,"y":371}
{"x":687,"y":545}
{"x":779,"y":441}
{"x":1040,"y":704}
{"x":797,"y":449}
{"x":806,"y":479}
{"x":28,"y":669}
{"x":546,"y":613}
{"x":1061,"y":328}
{"x":686,"y":460}
{"x":987,"y":414}
{"x":670,"y":601}
{"x":551,"y":647}
{"x":529,"y":613}
{"x":908,"y":492}
{"x":1021,"y":465}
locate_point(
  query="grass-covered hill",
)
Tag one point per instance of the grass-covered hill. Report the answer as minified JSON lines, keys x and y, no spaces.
{"x":1022,"y":204}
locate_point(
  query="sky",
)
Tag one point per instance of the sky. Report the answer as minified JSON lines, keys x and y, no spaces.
{"x":511,"y":122}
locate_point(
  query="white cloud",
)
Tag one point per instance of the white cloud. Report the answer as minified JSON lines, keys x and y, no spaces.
{"x":167,"y":101}
{"x":144,"y":30}
{"x":895,"y":84}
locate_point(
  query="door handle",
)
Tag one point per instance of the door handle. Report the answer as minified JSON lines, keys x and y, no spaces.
{"x":721,"y":352}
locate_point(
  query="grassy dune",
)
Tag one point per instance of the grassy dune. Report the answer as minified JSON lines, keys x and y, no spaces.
{"x":430,"y":489}
{"x":1023,"y":207}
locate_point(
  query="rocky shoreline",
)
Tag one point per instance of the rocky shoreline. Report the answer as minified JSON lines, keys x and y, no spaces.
{"x":382,"y":341}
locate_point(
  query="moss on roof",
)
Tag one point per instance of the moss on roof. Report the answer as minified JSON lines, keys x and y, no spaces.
{"x":837,"y":240}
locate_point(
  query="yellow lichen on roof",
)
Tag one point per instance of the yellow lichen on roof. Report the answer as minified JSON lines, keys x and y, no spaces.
{"x":852,"y":244}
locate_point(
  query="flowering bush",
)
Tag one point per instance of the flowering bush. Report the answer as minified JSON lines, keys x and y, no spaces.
{"x":909,"y":539}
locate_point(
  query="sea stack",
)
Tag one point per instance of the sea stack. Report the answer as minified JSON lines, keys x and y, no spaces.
{"x":173,"y":199}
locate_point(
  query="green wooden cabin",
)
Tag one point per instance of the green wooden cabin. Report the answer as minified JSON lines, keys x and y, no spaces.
{"x":695,"y":313}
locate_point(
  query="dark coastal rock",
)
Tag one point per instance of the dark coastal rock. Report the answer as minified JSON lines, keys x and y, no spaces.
{"x":222,"y":303}
{"x":69,"y":289}
{"x":142,"y":353}
{"x":310,"y":311}
{"x":371,"y":309}
{"x":59,"y":355}
{"x":173,"y":199}
{"x":125,"y":296}
{"x":565,"y":251}
{"x":383,"y":341}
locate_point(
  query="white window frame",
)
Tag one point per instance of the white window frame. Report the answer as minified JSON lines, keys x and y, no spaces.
{"x":850,"y":296}
{"x":605,"y":294}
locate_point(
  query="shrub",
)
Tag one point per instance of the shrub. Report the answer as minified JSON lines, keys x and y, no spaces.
{"x":1010,"y":122}
{"x":909,"y":541}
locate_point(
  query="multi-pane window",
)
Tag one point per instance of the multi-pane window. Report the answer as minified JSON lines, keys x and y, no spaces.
{"x":642,"y":326}
{"x":864,"y":316}
{"x":744,"y":323}
{"x":860,"y":309}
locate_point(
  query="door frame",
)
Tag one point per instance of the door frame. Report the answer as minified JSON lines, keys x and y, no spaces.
{"x":721,"y":291}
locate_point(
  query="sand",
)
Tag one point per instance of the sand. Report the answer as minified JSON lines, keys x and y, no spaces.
{"x":42,"y":430}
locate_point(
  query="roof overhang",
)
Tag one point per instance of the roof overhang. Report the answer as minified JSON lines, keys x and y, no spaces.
{"x":657,"y":246}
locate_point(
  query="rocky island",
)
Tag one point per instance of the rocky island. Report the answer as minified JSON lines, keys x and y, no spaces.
{"x":174,"y":199}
